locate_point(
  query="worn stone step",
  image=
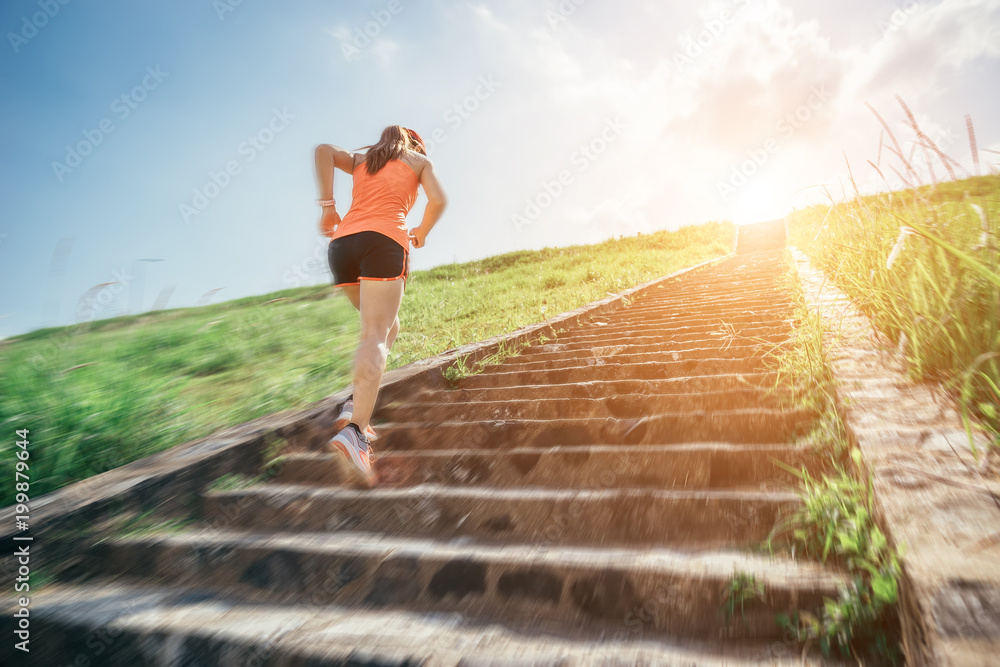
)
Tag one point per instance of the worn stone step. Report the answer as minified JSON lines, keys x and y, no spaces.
{"x":557,"y":584}
{"x":623,"y":406}
{"x":717,"y":340}
{"x":764,"y":296}
{"x":661,"y":312}
{"x":680,"y":519}
{"x":720,"y":296}
{"x":640,"y":366}
{"x":752,"y":426}
{"x":706,"y":349}
{"x":696,"y":349}
{"x":665,"y":313}
{"x":122,"y":625}
{"x":716,"y":284}
{"x":498,"y":376}
{"x":596,"y":336}
{"x":704,"y":384}
{"x":679,"y":324}
{"x":670,"y":321}
{"x":682,"y":466}
{"x":620,"y":354}
{"x":735,"y":269}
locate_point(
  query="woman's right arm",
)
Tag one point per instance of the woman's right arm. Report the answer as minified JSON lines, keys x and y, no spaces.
{"x":436,"y":202}
{"x":328,"y":157}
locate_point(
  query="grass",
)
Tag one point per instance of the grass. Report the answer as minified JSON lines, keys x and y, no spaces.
{"x":147,"y":523}
{"x":741,"y":589}
{"x":233,"y":482}
{"x":835,"y":523}
{"x":803,"y":379}
{"x":462,"y":369}
{"x":924,"y":266}
{"x":97,"y":395}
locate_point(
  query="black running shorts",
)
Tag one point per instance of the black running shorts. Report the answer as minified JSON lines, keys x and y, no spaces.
{"x":367,"y":256}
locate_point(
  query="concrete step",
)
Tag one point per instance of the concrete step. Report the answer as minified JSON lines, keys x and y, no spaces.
{"x":122,"y":625}
{"x":498,"y":376}
{"x":615,"y":355}
{"x":747,"y":298}
{"x":681,"y":323}
{"x":751,"y":426}
{"x":680,"y":519}
{"x":653,"y":366}
{"x":559,"y":585}
{"x":654,"y":312}
{"x":622,"y":406}
{"x":716,"y":284}
{"x":700,"y":348}
{"x":719,"y":330}
{"x":683,"y":466}
{"x":756,"y":383}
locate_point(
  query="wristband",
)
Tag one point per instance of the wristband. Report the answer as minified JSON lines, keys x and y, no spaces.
{"x":327,"y":202}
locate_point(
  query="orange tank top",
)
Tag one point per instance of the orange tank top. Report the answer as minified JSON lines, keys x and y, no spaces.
{"x":380,"y":203}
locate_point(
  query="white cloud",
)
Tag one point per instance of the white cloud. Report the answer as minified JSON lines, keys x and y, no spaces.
{"x":354,"y":45}
{"x":927,"y":42}
{"x":691,"y":123}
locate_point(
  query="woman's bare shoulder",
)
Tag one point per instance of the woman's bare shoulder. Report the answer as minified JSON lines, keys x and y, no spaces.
{"x":416,"y":161}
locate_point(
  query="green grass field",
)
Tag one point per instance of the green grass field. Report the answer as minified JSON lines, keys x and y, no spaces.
{"x":924,"y":265}
{"x":98,"y":395}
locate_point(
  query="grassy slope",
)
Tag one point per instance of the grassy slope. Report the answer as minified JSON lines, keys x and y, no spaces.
{"x":942,"y":311}
{"x":98,"y":395}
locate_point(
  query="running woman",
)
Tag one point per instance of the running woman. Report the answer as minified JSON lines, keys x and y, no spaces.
{"x":369,"y":258}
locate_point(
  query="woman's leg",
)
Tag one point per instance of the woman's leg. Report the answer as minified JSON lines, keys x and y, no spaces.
{"x":379,"y":300}
{"x":353,"y":294}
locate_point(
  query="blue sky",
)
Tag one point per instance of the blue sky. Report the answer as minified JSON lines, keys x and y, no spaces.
{"x":556,"y":123}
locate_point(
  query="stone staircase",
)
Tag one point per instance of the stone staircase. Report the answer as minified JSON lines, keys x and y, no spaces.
{"x":588,"y":501}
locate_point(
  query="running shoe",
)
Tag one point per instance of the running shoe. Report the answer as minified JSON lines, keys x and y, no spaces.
{"x":356,"y":448}
{"x":346,"y":414}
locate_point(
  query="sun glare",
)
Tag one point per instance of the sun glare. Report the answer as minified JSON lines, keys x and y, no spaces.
{"x":758,"y":202}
